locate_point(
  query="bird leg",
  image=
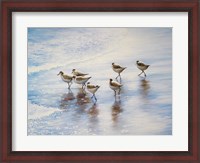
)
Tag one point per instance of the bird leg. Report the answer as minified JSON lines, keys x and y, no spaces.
{"x":119,"y":91}
{"x":69,"y":90}
{"x":69,"y":86}
{"x":120,"y":80}
{"x":144,"y":74}
{"x":83,"y":90}
{"x":95,"y":97}
{"x":118,"y":76}
{"x":115,"y":92}
{"x":83,"y":86}
{"x":140,"y":73}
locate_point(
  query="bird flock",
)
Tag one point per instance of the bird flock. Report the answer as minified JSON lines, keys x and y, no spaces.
{"x":82,"y":78}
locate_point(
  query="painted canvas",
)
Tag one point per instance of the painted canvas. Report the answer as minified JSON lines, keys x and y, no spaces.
{"x":100,"y":81}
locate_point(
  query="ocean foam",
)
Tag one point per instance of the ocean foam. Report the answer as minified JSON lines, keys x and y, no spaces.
{"x":37,"y":111}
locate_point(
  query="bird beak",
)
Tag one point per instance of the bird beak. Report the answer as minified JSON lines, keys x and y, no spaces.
{"x":58,"y":74}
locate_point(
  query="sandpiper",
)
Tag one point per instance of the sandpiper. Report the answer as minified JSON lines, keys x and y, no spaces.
{"x":77,"y":73}
{"x":115,"y":86}
{"x":142,"y":67}
{"x":118,"y":69}
{"x":92,"y":89}
{"x":81,"y":80}
{"x":66,"y":78}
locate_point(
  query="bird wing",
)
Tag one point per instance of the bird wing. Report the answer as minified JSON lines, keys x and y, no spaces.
{"x":67,"y":76}
{"x":80,"y":73}
{"x":141,"y":64}
{"x":91,"y":86}
{"x":80,"y":78}
{"x":116,"y":66}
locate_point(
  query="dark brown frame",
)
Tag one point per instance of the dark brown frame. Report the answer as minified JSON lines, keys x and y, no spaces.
{"x":9,"y":6}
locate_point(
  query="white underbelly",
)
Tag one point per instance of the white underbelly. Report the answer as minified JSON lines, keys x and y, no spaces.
{"x":92,"y":90}
{"x":117,"y":70}
{"x":114,"y":88}
{"x":142,"y":67}
{"x":66,"y":80}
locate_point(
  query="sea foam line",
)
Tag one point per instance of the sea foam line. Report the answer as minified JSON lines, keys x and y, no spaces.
{"x":38,"y":111}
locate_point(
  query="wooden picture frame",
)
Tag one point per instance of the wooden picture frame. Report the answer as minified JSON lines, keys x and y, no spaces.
{"x":9,"y":6}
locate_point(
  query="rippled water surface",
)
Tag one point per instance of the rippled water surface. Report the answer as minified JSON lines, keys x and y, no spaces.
{"x":144,"y":106}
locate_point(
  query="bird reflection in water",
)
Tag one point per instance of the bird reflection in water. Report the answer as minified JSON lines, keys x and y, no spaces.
{"x":145,"y":86}
{"x":82,"y":98}
{"x":93,"y":111}
{"x":93,"y":121}
{"x":66,"y":98}
{"x":116,"y":109}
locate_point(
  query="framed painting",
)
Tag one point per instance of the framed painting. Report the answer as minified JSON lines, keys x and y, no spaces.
{"x":100,"y":81}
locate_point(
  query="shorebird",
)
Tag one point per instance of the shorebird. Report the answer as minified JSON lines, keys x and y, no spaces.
{"x":142,"y":67}
{"x":115,"y":86}
{"x":81,"y":80}
{"x":77,"y":73}
{"x":92,"y":89}
{"x":118,"y":69}
{"x":66,"y":78}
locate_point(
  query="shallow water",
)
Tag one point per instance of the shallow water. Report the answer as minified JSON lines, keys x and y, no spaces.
{"x":144,"y":105}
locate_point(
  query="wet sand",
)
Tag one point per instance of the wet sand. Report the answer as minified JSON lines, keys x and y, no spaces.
{"x":143,"y":106}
